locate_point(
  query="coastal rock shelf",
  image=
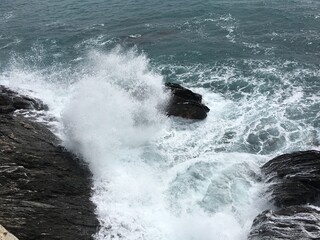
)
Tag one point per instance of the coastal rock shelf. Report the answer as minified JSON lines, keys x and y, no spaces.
{"x":11,"y":101}
{"x":294,"y":222}
{"x":294,"y":178}
{"x":185,"y":103}
{"x":293,"y":181}
{"x":44,"y":190}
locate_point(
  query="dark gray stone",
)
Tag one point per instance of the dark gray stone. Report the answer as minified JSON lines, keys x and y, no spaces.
{"x":294,"y":178}
{"x":44,"y":190}
{"x":185,"y":103}
{"x":290,"y":223}
{"x":11,"y":101}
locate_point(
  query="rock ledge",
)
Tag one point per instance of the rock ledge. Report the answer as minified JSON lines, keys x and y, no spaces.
{"x":44,"y":190}
{"x":294,"y":181}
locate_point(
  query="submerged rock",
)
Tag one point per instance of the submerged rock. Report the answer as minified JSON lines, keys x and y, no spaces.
{"x":44,"y":190}
{"x":290,"y":223}
{"x":294,"y":178}
{"x":185,"y":103}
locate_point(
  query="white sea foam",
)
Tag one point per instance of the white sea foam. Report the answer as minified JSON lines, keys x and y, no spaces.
{"x":267,"y":110}
{"x":148,"y":181}
{"x":160,"y":178}
{"x":116,"y":106}
{"x":5,"y":17}
{"x":229,"y":24}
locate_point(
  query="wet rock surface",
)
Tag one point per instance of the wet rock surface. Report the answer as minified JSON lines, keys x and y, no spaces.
{"x":294,"y":222}
{"x":294,"y":178}
{"x":44,"y":190}
{"x":11,"y":101}
{"x":185,"y":103}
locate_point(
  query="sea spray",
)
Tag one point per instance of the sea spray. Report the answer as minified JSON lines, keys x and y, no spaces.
{"x":166,"y":178}
{"x":155,"y":178}
{"x":118,"y":105}
{"x":109,"y":121}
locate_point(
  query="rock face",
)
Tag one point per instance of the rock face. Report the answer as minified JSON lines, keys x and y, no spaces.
{"x":185,"y":103}
{"x":11,"y":101}
{"x":293,"y":182}
{"x":44,"y":190}
{"x":294,"y":178}
{"x":290,"y":223}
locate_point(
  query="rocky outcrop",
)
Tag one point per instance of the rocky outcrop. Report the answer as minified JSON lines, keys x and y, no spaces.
{"x":11,"y":101}
{"x":185,"y":103}
{"x":44,"y":190}
{"x":5,"y":235}
{"x":294,"y":178}
{"x":293,"y":181}
{"x":290,"y":223}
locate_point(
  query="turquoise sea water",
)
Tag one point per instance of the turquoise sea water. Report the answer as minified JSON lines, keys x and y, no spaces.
{"x":256,"y":63}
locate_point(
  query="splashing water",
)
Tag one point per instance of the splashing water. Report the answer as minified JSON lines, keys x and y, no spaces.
{"x":156,"y":177}
{"x":153,"y":177}
{"x":256,"y":63}
{"x":115,"y":107}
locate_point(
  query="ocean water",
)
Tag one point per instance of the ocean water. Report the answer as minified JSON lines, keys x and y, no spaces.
{"x":100,"y":66}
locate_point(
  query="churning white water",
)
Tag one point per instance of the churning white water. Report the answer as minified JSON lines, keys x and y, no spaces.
{"x":155,"y":178}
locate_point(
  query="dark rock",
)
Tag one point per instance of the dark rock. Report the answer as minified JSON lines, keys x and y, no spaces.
{"x":185,"y":103}
{"x":44,"y":190}
{"x":11,"y":101}
{"x":293,"y":181}
{"x":294,"y":178}
{"x":290,"y":223}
